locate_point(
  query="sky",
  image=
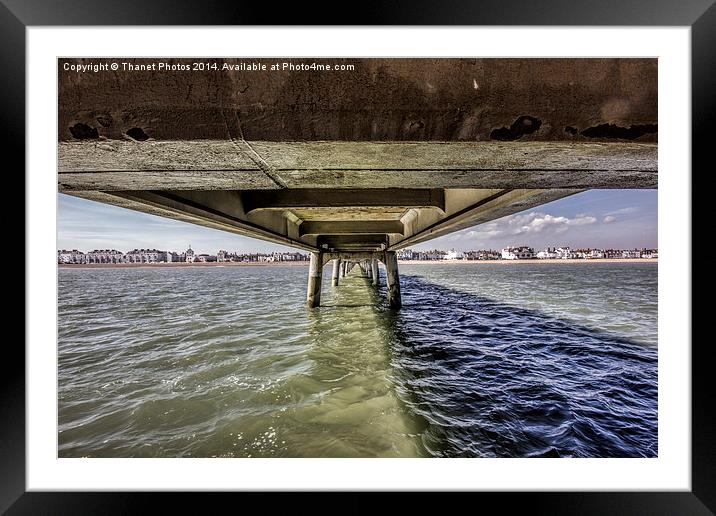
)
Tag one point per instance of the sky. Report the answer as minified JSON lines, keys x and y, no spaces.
{"x":618,"y":219}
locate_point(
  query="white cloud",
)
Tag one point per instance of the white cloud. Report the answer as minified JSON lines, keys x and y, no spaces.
{"x":623,"y":211}
{"x":608,"y":219}
{"x":536,"y":222}
{"x":524,"y":224}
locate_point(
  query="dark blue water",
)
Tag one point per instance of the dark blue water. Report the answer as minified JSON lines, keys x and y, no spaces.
{"x":502,"y":381}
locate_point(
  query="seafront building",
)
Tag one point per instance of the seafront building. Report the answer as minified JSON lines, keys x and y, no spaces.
{"x":225,"y":256}
{"x":452,"y":254}
{"x":483,"y":254}
{"x":145,"y":256}
{"x":518,"y":253}
{"x":409,"y":254}
{"x":546,"y":254}
{"x":632,"y":253}
{"x":563,"y":253}
{"x":73,"y":256}
{"x":104,"y":256}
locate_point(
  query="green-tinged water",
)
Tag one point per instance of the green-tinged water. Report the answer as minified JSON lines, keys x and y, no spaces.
{"x":482,"y":360}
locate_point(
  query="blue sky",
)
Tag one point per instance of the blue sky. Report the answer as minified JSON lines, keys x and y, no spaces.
{"x":596,"y":218}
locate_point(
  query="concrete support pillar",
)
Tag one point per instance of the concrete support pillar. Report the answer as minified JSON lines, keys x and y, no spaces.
{"x":343,"y":268}
{"x":315,"y":272}
{"x":336,"y":272}
{"x":368,"y":270}
{"x":393,"y":279}
{"x":376,"y":275}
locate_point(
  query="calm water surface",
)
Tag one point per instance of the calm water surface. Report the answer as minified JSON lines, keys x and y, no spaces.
{"x":486,"y":360}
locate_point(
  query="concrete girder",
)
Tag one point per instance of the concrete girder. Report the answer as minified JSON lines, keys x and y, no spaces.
{"x":154,"y":204}
{"x":291,"y":199}
{"x":340,"y":227}
{"x":367,"y":242}
{"x":218,"y":165}
{"x":498,"y":205}
{"x":349,"y":256}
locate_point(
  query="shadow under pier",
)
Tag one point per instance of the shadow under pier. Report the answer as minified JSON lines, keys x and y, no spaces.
{"x":503,"y":381}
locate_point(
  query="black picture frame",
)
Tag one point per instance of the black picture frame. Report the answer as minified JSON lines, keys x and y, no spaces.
{"x":17,"y":15}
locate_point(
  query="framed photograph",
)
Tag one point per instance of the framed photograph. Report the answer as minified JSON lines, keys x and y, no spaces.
{"x":444,"y":249}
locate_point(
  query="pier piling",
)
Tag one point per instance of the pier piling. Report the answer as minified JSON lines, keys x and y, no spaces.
{"x":315,"y":272}
{"x":336,"y":272}
{"x":393,"y":279}
{"x":376,"y":276}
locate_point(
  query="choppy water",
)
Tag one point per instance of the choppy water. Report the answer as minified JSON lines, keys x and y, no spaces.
{"x":506,"y":360}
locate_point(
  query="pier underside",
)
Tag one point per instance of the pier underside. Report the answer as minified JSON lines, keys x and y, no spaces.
{"x":355,"y":165}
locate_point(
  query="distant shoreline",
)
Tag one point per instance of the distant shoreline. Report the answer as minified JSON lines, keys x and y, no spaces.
{"x":305,"y":263}
{"x":548,"y":260}
{"x":179,"y":264}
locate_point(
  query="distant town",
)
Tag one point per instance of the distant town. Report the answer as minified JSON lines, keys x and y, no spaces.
{"x":528,"y":253}
{"x":189,"y":256}
{"x":157,"y":256}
